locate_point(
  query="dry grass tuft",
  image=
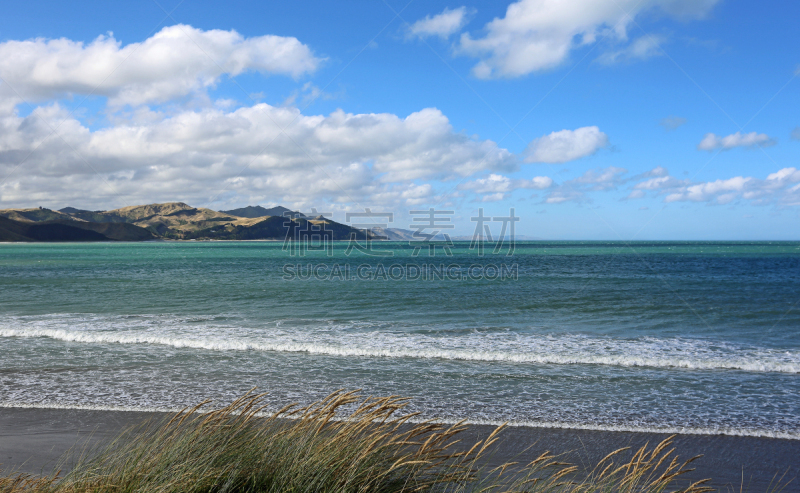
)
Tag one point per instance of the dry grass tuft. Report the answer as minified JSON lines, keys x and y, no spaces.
{"x":323,"y":447}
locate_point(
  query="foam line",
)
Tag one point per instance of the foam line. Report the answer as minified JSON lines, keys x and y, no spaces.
{"x":527,"y":349}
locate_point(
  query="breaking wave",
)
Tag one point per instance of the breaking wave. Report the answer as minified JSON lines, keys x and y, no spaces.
{"x":358,"y":341}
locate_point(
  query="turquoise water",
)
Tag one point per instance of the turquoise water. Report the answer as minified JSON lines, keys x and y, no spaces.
{"x":691,"y":337}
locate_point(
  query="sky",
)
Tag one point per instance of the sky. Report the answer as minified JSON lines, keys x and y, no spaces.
{"x":591,"y":119}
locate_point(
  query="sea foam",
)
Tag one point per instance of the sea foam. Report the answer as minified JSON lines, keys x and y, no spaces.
{"x":366,"y":341}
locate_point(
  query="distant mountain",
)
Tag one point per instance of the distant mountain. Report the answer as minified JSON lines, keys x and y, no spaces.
{"x":179,"y":221}
{"x":92,"y":216}
{"x":171,"y":220}
{"x":72,"y":210}
{"x":34,"y":215}
{"x":69,"y":230}
{"x":278,"y":228}
{"x":392,"y":234}
{"x":174,"y":219}
{"x":11,"y":230}
{"x":505,"y":238}
{"x":117,"y":231}
{"x":398,"y":234}
{"x":257,"y":211}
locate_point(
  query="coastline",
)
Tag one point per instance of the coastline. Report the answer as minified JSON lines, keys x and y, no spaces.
{"x":532,"y":425}
{"x":32,"y":440}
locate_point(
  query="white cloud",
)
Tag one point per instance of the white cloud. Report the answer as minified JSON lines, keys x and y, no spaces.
{"x":242,"y":154}
{"x":601,"y":179}
{"x":566,"y":145}
{"x":537,"y":35}
{"x":562,"y":195}
{"x":303,"y":96}
{"x":723,"y":191}
{"x":785,"y":175}
{"x":636,"y":194}
{"x":712,"y":141}
{"x":641,"y":48}
{"x":221,"y":151}
{"x":495,"y":187}
{"x":663,"y":182}
{"x":781,"y":187}
{"x":657,"y":171}
{"x":657,"y":179}
{"x":176,"y":61}
{"x":494,"y":197}
{"x":449,"y":22}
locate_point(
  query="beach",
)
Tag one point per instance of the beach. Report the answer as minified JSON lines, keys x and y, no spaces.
{"x":33,"y":441}
{"x":585,"y":351}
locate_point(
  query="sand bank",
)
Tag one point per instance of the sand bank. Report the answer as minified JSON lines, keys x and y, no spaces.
{"x":33,"y":440}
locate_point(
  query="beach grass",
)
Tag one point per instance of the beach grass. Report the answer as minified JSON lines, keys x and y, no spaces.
{"x":343,"y":443}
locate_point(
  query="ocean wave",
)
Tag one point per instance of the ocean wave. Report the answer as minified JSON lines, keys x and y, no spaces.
{"x":681,"y":430}
{"x":505,"y":347}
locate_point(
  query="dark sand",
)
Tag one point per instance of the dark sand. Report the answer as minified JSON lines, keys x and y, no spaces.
{"x":33,"y":440}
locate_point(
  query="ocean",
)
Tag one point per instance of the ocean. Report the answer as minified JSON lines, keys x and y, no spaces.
{"x":687,"y":337}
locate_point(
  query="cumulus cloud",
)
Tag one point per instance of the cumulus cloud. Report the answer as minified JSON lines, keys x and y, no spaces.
{"x":537,"y":35}
{"x":781,"y":188}
{"x":672,"y":122}
{"x":657,"y":171}
{"x":601,"y":179}
{"x":641,"y":48}
{"x":722,"y":191}
{"x":194,"y":155}
{"x":660,"y":183}
{"x":301,"y":97}
{"x":566,"y":145}
{"x":175,"y":62}
{"x":443,"y":25}
{"x":712,"y":141}
{"x":635,"y":194}
{"x":495,"y":187}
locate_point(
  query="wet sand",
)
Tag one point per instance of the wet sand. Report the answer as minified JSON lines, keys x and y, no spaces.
{"x":33,"y":441}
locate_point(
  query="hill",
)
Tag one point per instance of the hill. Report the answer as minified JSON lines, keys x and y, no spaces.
{"x":37,"y":214}
{"x":117,"y":231}
{"x":69,"y":230}
{"x":398,"y":234}
{"x":92,"y":216}
{"x":279,"y":228}
{"x":392,"y":234}
{"x":171,"y":220}
{"x":258,"y":211}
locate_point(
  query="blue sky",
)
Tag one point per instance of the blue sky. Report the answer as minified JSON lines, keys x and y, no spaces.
{"x":603,"y":119}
